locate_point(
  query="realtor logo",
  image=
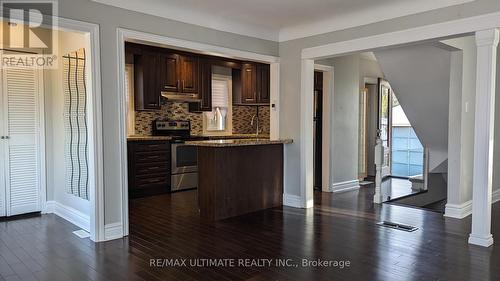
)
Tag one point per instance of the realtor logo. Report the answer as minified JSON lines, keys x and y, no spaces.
{"x":29,"y":38}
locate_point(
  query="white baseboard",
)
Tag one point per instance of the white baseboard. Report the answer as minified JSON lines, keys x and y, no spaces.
{"x":49,"y":207}
{"x":460,"y":211}
{"x":345,"y":186}
{"x":296,"y":201}
{"x":113,"y":231}
{"x":72,"y":215}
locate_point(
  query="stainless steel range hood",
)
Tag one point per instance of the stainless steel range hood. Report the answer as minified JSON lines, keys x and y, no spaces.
{"x":185,"y":97}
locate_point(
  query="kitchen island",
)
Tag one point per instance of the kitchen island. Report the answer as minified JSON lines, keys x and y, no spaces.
{"x":239,"y":176}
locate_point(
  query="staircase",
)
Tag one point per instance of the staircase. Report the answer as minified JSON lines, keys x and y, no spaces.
{"x":420,"y":77}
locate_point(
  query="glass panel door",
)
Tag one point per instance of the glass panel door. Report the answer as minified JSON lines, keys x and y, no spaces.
{"x":384,"y":127}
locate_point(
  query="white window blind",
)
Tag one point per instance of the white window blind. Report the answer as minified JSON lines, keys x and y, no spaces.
{"x":220,"y":93}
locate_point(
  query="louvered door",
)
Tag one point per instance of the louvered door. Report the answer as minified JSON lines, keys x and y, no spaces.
{"x":3,"y":205}
{"x":21,"y":96}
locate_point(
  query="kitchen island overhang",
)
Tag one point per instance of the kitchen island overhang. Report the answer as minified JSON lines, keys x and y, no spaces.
{"x":237,"y":177}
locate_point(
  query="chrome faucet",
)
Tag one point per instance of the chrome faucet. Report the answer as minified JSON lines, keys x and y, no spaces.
{"x":251,"y":122}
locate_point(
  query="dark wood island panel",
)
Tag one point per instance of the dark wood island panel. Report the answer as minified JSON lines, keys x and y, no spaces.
{"x":236,"y":180}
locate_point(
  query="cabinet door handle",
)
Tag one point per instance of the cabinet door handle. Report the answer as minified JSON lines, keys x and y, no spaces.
{"x":2,"y":137}
{"x":178,"y":84}
{"x":7,"y":137}
{"x":183,"y":84}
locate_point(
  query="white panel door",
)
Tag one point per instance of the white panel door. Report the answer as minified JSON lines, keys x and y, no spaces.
{"x":22,"y":99}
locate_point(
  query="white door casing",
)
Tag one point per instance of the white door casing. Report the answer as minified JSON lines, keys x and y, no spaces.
{"x":3,"y":208}
{"x":22,"y":109}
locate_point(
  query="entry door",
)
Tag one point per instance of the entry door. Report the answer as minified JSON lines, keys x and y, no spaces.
{"x":21,"y":145}
{"x":385,"y":123}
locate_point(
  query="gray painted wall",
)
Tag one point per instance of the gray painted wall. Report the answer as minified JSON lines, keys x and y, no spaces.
{"x":345,"y":118}
{"x":109,"y":19}
{"x":290,"y":57}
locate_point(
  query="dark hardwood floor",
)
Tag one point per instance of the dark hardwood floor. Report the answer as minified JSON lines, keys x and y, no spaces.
{"x":340,"y":227}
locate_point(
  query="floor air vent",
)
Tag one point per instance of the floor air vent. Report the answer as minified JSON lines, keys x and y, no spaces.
{"x":398,"y":226}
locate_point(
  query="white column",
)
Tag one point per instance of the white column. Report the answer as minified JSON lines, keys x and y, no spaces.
{"x":486,"y":42}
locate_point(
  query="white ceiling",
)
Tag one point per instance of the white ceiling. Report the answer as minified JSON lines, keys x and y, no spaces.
{"x":281,"y":20}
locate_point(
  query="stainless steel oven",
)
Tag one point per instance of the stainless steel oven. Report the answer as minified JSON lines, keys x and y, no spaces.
{"x":184,"y":166}
{"x":184,"y":158}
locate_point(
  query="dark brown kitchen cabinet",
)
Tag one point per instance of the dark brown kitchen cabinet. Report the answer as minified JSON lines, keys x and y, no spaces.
{"x":263,"y":83}
{"x":248,"y":83}
{"x":252,"y":85}
{"x":148,"y":167}
{"x":189,"y":74}
{"x":170,"y":63}
{"x":205,"y":88}
{"x":146,"y":77}
{"x":179,"y":73}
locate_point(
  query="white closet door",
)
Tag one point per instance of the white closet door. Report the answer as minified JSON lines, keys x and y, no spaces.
{"x":3,"y":205}
{"x":21,"y":93}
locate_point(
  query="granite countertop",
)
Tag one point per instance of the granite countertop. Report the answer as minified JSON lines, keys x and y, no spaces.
{"x":147,"y":138}
{"x":237,"y":136}
{"x":237,"y":142}
{"x":213,"y":137}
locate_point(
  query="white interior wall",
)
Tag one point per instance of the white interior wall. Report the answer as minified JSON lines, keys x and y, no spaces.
{"x":463,"y":193}
{"x":55,"y":136}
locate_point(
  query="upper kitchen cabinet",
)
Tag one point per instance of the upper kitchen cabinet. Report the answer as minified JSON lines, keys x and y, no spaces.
{"x":170,"y":64}
{"x":263,"y":83}
{"x":146,"y":77}
{"x":189,"y":74}
{"x":205,"y":88}
{"x":251,"y":85}
{"x":179,"y":76}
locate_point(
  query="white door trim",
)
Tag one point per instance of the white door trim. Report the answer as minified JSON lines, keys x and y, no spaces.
{"x":163,"y":41}
{"x":327,"y":140}
{"x":451,"y":28}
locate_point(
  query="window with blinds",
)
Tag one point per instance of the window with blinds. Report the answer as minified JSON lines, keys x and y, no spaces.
{"x":75,"y":124}
{"x":217,"y":119}
{"x":220,"y":93}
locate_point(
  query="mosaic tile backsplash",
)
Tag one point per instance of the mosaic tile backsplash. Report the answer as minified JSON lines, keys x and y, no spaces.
{"x":242,"y":116}
{"x":170,"y":110}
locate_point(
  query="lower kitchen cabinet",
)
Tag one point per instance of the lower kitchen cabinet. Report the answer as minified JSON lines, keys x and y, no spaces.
{"x":148,"y":167}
